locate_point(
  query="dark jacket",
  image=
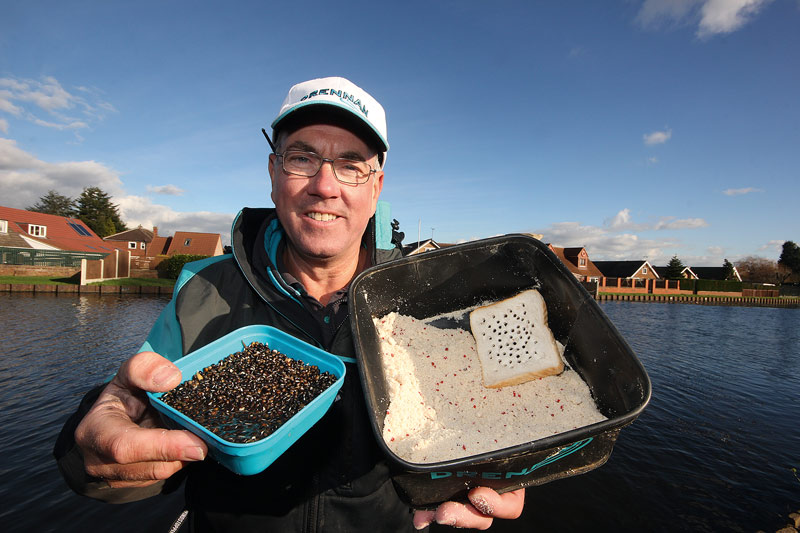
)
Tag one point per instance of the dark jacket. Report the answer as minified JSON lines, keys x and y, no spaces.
{"x":334,"y":477}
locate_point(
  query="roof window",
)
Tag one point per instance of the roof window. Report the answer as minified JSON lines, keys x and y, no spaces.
{"x":80,"y":230}
{"x":37,"y":231}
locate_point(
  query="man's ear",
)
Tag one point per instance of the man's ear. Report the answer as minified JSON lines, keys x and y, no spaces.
{"x":271,"y":169}
{"x":377,"y":187}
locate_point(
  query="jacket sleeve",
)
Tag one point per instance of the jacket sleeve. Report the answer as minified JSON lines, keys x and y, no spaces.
{"x":164,"y":339}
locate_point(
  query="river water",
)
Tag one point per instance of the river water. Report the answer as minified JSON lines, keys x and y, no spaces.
{"x":714,"y":450}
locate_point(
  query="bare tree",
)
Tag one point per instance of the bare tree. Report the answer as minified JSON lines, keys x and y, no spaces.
{"x":759,"y":270}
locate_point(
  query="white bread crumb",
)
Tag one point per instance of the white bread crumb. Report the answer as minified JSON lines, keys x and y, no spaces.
{"x":440,"y":410}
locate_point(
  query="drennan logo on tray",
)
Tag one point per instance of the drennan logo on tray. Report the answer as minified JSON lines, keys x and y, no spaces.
{"x":560,"y":454}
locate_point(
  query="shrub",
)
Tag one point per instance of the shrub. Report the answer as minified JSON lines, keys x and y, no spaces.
{"x":171,"y":267}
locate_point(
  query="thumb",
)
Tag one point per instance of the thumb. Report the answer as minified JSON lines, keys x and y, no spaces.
{"x":148,"y":371}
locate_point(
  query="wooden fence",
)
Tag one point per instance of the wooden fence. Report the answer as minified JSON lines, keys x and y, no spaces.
{"x":115,"y":265}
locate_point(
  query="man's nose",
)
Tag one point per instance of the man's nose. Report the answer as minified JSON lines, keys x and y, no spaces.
{"x":325,"y":182}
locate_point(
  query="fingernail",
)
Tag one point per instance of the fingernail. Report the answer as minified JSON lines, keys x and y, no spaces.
{"x":164,"y":375}
{"x":194,"y":453}
{"x":482,"y":505}
{"x":422,"y":525}
{"x":447,"y":521}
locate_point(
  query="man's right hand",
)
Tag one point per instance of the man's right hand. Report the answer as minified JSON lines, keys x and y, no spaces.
{"x":121,"y":437}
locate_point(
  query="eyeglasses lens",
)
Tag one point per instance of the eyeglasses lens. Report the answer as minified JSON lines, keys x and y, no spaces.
{"x":308,"y":164}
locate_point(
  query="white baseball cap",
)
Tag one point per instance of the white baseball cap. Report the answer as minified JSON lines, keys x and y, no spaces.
{"x":336,"y":95}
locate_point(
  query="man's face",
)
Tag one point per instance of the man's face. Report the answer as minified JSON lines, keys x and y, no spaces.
{"x":324,"y":218}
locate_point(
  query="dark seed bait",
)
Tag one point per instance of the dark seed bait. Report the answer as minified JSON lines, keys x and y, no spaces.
{"x":249,"y":394}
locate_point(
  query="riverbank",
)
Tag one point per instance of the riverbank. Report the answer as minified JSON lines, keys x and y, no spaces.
{"x":86,"y":289}
{"x":738,"y":301}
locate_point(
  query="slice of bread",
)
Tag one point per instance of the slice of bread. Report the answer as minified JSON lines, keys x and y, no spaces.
{"x":515,"y":344}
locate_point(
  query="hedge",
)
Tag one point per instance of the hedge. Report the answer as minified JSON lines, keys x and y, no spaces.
{"x":171,"y":267}
{"x":711,"y":285}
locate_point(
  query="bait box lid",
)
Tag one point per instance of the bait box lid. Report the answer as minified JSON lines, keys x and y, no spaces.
{"x":254,"y":457}
{"x":459,"y":277}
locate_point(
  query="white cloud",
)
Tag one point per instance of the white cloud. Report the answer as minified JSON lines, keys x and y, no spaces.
{"x":6,"y":106}
{"x":24,"y":179}
{"x":577,"y":51}
{"x":658,"y":12}
{"x":3,"y":125}
{"x":169,"y":190}
{"x":775,"y":246}
{"x":712,"y":17}
{"x":726,"y":16}
{"x":623,"y":221}
{"x":657,"y":137}
{"x":652,"y":160}
{"x":65,"y":110}
{"x":602,"y":244}
{"x":684,"y":223}
{"x":136,"y":210}
{"x":737,"y":192}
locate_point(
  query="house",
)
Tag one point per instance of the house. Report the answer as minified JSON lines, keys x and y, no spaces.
{"x":195,"y":243}
{"x":715,"y":273}
{"x":134,"y":240}
{"x":576,"y":259}
{"x":421,"y":246}
{"x":686,"y":273}
{"x":40,"y":231}
{"x":627,"y":269}
{"x":144,"y":243}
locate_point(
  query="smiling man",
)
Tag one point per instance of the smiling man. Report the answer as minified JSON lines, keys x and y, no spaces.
{"x":291,"y":267}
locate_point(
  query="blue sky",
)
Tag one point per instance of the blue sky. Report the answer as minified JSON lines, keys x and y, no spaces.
{"x":637,"y":128}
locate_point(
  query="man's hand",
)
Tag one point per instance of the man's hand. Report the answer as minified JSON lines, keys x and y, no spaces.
{"x":485,"y":505}
{"x":120,"y":437}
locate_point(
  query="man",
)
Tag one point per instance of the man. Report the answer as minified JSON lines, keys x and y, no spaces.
{"x":290,"y":268}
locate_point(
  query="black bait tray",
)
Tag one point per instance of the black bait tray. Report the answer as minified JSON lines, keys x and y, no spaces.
{"x":459,"y":277}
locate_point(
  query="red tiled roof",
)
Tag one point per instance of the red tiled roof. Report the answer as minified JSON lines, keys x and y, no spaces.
{"x":195,"y":243}
{"x":62,"y":232}
{"x":160,"y":245}
{"x":569,"y":256}
{"x":137,"y":234}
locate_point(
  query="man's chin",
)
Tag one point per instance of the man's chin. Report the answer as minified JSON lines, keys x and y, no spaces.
{"x":320,"y":251}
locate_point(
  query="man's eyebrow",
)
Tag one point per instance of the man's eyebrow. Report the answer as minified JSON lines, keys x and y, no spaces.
{"x":305,"y":147}
{"x":302,"y":146}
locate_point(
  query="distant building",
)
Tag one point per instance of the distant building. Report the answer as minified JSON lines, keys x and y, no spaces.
{"x":195,"y":243}
{"x":627,"y":269}
{"x":136,"y":241}
{"x":27,"y":229}
{"x":714,"y":273}
{"x":576,"y":259}
{"x":144,"y":243}
{"x":422,"y":246}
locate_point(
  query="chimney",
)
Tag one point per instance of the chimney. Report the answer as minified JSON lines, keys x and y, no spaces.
{"x":155,"y":231}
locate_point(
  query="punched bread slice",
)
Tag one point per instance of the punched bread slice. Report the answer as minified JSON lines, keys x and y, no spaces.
{"x":515,"y":344}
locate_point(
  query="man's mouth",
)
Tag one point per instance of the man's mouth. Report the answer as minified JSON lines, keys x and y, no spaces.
{"x":321,"y":217}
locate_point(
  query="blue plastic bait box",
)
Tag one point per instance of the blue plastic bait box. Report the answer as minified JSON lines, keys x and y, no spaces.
{"x":254,"y":457}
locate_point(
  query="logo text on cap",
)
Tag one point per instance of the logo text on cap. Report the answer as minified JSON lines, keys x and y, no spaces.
{"x":349,"y":98}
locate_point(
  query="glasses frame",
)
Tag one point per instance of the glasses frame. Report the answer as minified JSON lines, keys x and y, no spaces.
{"x":322,"y":162}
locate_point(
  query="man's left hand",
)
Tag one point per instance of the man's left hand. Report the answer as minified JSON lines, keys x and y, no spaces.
{"x":484,"y":506}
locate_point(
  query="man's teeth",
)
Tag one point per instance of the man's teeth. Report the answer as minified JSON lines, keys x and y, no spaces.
{"x":322,"y":217}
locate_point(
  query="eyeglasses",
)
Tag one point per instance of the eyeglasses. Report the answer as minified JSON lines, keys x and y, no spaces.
{"x":308,"y":164}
